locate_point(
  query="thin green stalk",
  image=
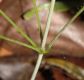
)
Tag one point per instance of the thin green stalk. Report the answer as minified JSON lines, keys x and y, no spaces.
{"x":38,"y":19}
{"x":44,"y":41}
{"x":65,"y":26}
{"x":48,"y":24}
{"x":18,"y":42}
{"x":17,"y":28}
{"x":40,"y":56}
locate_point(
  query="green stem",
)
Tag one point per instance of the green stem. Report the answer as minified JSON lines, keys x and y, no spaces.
{"x":44,"y":41}
{"x":17,"y":28}
{"x":65,"y":26}
{"x":48,"y":24}
{"x":38,"y":20}
{"x":18,"y":42}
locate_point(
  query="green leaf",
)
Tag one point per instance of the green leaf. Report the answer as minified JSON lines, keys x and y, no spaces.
{"x":69,"y":67}
{"x":59,"y":7}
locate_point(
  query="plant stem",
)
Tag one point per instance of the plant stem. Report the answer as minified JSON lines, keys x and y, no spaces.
{"x":38,"y":19}
{"x":19,"y":42}
{"x":48,"y":24}
{"x":40,"y":56}
{"x":44,"y":41}
{"x":65,"y":26}
{"x":19,"y":30}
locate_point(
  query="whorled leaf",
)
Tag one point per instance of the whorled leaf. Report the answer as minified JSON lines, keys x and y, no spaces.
{"x":69,"y":67}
